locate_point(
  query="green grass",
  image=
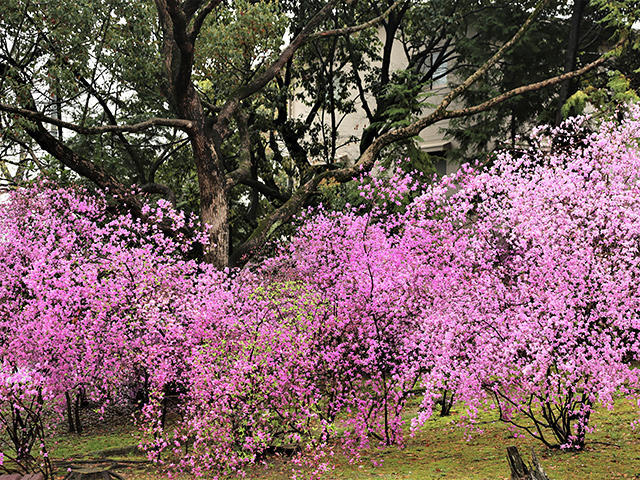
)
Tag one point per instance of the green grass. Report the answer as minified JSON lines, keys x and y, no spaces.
{"x":437,"y":451}
{"x":97,"y":443}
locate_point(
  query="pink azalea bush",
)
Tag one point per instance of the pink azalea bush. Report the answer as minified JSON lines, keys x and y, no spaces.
{"x":85,"y":297}
{"x":544,"y":308}
{"x":516,"y":285}
{"x":513,"y":286}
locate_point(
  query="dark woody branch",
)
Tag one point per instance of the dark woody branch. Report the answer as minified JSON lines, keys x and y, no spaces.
{"x":132,"y":128}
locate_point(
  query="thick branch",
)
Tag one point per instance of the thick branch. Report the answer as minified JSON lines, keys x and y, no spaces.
{"x":264,"y":189}
{"x":189,"y":7}
{"x":97,"y":174}
{"x":273,"y":221}
{"x":368,"y":157}
{"x":524,"y":89}
{"x":243,"y":171}
{"x":201,"y":17}
{"x":160,"y":189}
{"x":84,"y":167}
{"x":136,"y":127}
{"x":494,"y":59}
{"x":178,"y":48}
{"x":81,"y":165}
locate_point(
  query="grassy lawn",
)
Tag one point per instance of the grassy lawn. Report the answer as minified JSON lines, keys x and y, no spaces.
{"x":437,"y":451}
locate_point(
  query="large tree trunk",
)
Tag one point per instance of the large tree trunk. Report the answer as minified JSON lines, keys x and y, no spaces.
{"x":214,"y":212}
{"x":214,"y":203}
{"x":571,"y":54}
{"x":71,"y":423}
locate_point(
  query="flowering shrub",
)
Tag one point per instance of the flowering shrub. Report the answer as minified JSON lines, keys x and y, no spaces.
{"x":546,"y":308}
{"x":248,"y":377}
{"x":515,"y":285}
{"x":85,"y":297}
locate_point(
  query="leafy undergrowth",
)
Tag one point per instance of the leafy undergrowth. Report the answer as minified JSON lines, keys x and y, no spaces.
{"x":438,"y":450}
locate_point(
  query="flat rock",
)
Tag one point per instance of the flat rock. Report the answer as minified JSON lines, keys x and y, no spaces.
{"x":92,"y":474}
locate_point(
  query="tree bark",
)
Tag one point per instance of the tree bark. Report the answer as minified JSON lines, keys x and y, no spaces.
{"x":214,"y":212}
{"x":178,"y":52}
{"x":520,"y":470}
{"x":214,"y":204}
{"x":571,"y":55}
{"x":76,"y":414}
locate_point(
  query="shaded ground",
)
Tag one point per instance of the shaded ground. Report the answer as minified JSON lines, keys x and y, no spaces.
{"x":438,"y":451}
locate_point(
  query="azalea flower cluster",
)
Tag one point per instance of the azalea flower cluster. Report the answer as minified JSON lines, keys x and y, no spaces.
{"x":513,"y":286}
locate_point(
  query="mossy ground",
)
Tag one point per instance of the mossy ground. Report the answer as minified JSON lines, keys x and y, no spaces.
{"x":438,"y":451}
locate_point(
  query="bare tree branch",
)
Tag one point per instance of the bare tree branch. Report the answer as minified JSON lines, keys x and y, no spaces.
{"x":524,"y":89}
{"x":201,"y":17}
{"x":136,"y":127}
{"x":494,"y":59}
{"x":368,"y":157}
